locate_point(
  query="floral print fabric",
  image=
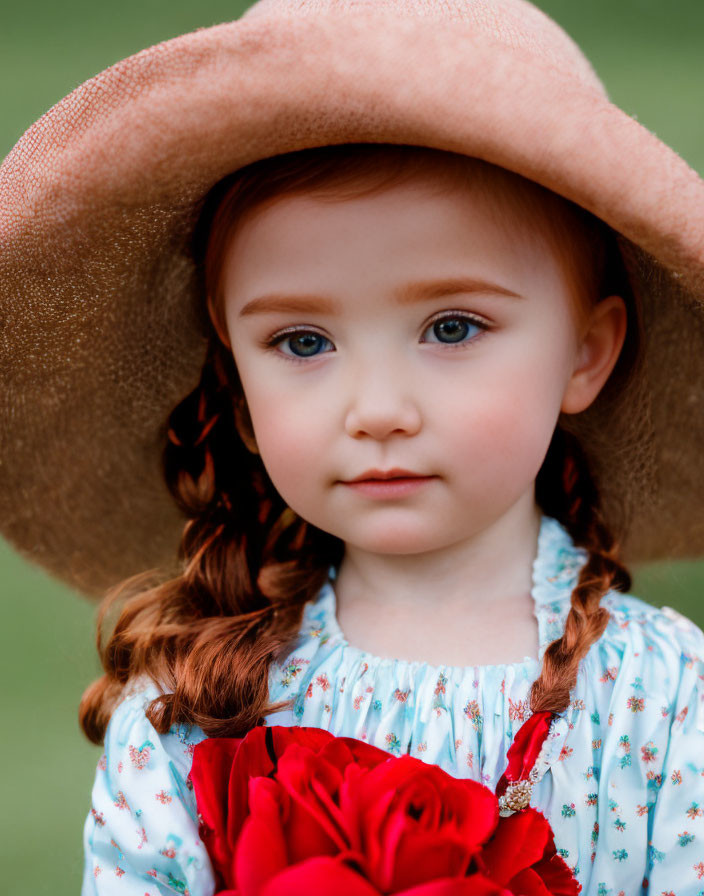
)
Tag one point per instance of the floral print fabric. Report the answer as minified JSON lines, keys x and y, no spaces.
{"x":622,"y":782}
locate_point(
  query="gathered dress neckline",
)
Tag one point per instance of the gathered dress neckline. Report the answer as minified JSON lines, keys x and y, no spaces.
{"x":556,"y":564}
{"x":462,"y":718}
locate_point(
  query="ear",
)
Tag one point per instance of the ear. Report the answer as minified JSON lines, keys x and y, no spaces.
{"x":599,"y":347}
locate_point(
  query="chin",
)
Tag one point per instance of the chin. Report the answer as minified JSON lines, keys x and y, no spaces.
{"x":395,"y":543}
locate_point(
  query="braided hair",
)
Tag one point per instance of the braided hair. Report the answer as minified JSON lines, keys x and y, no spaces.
{"x":576,"y":504}
{"x":249,"y":564}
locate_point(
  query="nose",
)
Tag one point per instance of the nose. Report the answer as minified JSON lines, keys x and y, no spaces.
{"x":381,"y":404}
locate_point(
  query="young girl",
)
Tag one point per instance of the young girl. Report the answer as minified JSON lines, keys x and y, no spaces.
{"x":429,"y":422}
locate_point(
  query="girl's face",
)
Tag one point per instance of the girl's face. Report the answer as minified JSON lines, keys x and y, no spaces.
{"x":407,"y":330}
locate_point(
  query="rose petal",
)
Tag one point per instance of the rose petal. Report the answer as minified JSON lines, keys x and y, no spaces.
{"x":402,"y":833}
{"x":261,"y":851}
{"x":365,"y":755}
{"x":251,"y":760}
{"x":558,"y":876}
{"x":520,"y":841}
{"x":350,"y":805}
{"x":313,"y":739}
{"x":475,"y":885}
{"x":210,"y":770}
{"x":528,"y":883}
{"x":319,"y":877}
{"x":422,"y":858}
{"x":463,"y":812}
{"x":258,"y":756}
{"x":475,"y":807}
{"x":373,"y":817}
{"x":422,"y":848}
{"x":316,"y":825}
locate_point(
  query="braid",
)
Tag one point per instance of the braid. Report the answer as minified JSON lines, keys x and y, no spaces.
{"x":249,"y":559}
{"x":577,"y":506}
{"x":249,"y":564}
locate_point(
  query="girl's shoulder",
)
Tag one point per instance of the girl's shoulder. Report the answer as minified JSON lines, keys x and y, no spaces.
{"x":635,"y":622}
{"x":656,"y":650}
{"x":129,"y":720}
{"x":143,"y":823}
{"x":136,"y":754}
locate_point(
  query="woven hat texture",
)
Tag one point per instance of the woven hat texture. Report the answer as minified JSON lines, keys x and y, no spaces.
{"x":102,"y":330}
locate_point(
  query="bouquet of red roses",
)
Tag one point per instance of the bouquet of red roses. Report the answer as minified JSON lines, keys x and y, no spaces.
{"x":298,"y":811}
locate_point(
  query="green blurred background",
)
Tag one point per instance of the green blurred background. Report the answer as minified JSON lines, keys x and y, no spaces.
{"x":649,"y":55}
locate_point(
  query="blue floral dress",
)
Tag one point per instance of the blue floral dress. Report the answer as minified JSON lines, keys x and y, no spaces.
{"x":622,"y":781}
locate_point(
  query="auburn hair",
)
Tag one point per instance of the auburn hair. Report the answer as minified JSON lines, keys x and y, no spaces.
{"x":248,"y":562}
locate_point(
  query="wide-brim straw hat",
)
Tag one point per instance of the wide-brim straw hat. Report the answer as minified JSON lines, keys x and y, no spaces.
{"x":102,"y":330}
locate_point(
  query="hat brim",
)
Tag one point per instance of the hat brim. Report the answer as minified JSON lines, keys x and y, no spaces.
{"x":102,"y":323}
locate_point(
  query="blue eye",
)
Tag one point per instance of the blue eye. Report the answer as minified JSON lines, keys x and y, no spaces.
{"x":302,"y":343}
{"x":453,"y":329}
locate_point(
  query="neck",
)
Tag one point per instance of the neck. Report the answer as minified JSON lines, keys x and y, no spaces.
{"x":490,"y":570}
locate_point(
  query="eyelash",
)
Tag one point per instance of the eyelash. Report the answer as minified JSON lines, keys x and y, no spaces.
{"x":273,"y":341}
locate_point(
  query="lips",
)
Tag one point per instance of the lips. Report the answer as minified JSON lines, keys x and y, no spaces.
{"x":396,"y":485}
{"x":383,"y":475}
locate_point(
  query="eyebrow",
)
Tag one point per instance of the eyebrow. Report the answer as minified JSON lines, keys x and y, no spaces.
{"x":405,"y":295}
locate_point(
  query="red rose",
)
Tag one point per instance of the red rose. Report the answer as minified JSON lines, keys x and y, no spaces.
{"x":295,"y":810}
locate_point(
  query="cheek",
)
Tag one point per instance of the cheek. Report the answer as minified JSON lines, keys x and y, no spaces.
{"x":289,"y":440}
{"x":505,"y":426}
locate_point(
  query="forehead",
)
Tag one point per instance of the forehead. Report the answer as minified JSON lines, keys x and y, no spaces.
{"x":421,"y":228}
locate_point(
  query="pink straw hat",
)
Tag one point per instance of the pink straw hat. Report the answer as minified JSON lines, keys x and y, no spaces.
{"x":101,"y":329}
